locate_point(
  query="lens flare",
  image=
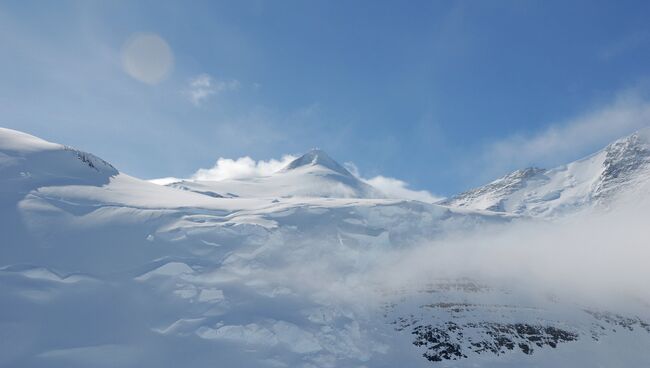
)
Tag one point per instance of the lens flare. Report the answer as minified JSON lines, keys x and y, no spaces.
{"x":147,"y":57}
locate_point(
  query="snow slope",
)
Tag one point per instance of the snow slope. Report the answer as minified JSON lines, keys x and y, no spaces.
{"x":314,"y":174}
{"x":591,"y":181}
{"x":98,"y":268}
{"x":27,"y":162}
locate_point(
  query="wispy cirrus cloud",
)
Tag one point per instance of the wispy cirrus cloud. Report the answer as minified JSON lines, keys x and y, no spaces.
{"x":621,"y":46}
{"x":567,"y":140}
{"x":201,"y":87}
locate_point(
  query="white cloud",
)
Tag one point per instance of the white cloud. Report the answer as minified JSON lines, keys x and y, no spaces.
{"x":203,"y":86}
{"x":562,"y":142}
{"x":393,"y":188}
{"x":598,"y":253}
{"x":241,"y":168}
{"x":352,"y":168}
{"x":246,"y":168}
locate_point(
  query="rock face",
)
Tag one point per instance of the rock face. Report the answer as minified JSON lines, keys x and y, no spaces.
{"x":627,"y":162}
{"x":465,"y":322}
{"x":445,"y":342}
{"x":588,"y":182}
{"x":492,"y":196}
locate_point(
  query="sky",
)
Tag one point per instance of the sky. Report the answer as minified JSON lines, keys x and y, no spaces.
{"x":442,"y":95}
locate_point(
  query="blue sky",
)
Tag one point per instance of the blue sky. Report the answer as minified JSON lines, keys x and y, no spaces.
{"x":444,"y":95}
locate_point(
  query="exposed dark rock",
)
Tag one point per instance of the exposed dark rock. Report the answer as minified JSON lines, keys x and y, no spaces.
{"x":446,"y":341}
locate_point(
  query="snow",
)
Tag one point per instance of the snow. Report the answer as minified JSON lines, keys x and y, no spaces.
{"x":317,"y":157}
{"x":593,"y":180}
{"x":98,"y":268}
{"x":314,"y":174}
{"x":20,"y":143}
{"x":165,"y":181}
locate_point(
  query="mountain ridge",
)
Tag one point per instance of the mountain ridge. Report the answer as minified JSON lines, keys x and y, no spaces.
{"x":591,"y":181}
{"x":269,"y":282}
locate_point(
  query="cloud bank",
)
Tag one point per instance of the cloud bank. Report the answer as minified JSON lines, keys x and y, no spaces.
{"x":597,"y":258}
{"x":598,"y":254}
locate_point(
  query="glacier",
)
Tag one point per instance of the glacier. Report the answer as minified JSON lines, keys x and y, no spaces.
{"x":309,"y":267}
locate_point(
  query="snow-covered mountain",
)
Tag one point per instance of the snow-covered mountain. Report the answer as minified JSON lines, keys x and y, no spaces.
{"x":98,"y":268}
{"x":27,"y":162}
{"x":313,"y":174}
{"x":591,"y":181}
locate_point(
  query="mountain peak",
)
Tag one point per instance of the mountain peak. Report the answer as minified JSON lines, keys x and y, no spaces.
{"x":317,"y":157}
{"x":522,"y":174}
{"x":593,"y":180}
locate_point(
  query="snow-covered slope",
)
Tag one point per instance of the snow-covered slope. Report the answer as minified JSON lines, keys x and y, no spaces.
{"x":27,"y":162}
{"x":594,"y":180}
{"x":98,"y":268}
{"x":314,"y":174}
{"x":101,"y":269}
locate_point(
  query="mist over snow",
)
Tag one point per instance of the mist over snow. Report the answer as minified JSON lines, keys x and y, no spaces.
{"x":599,"y":255}
{"x":301,"y":262}
{"x":596,"y":257}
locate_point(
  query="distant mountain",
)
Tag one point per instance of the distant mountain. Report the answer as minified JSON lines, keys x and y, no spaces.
{"x":591,"y":181}
{"x":317,"y":157}
{"x":314,"y":174}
